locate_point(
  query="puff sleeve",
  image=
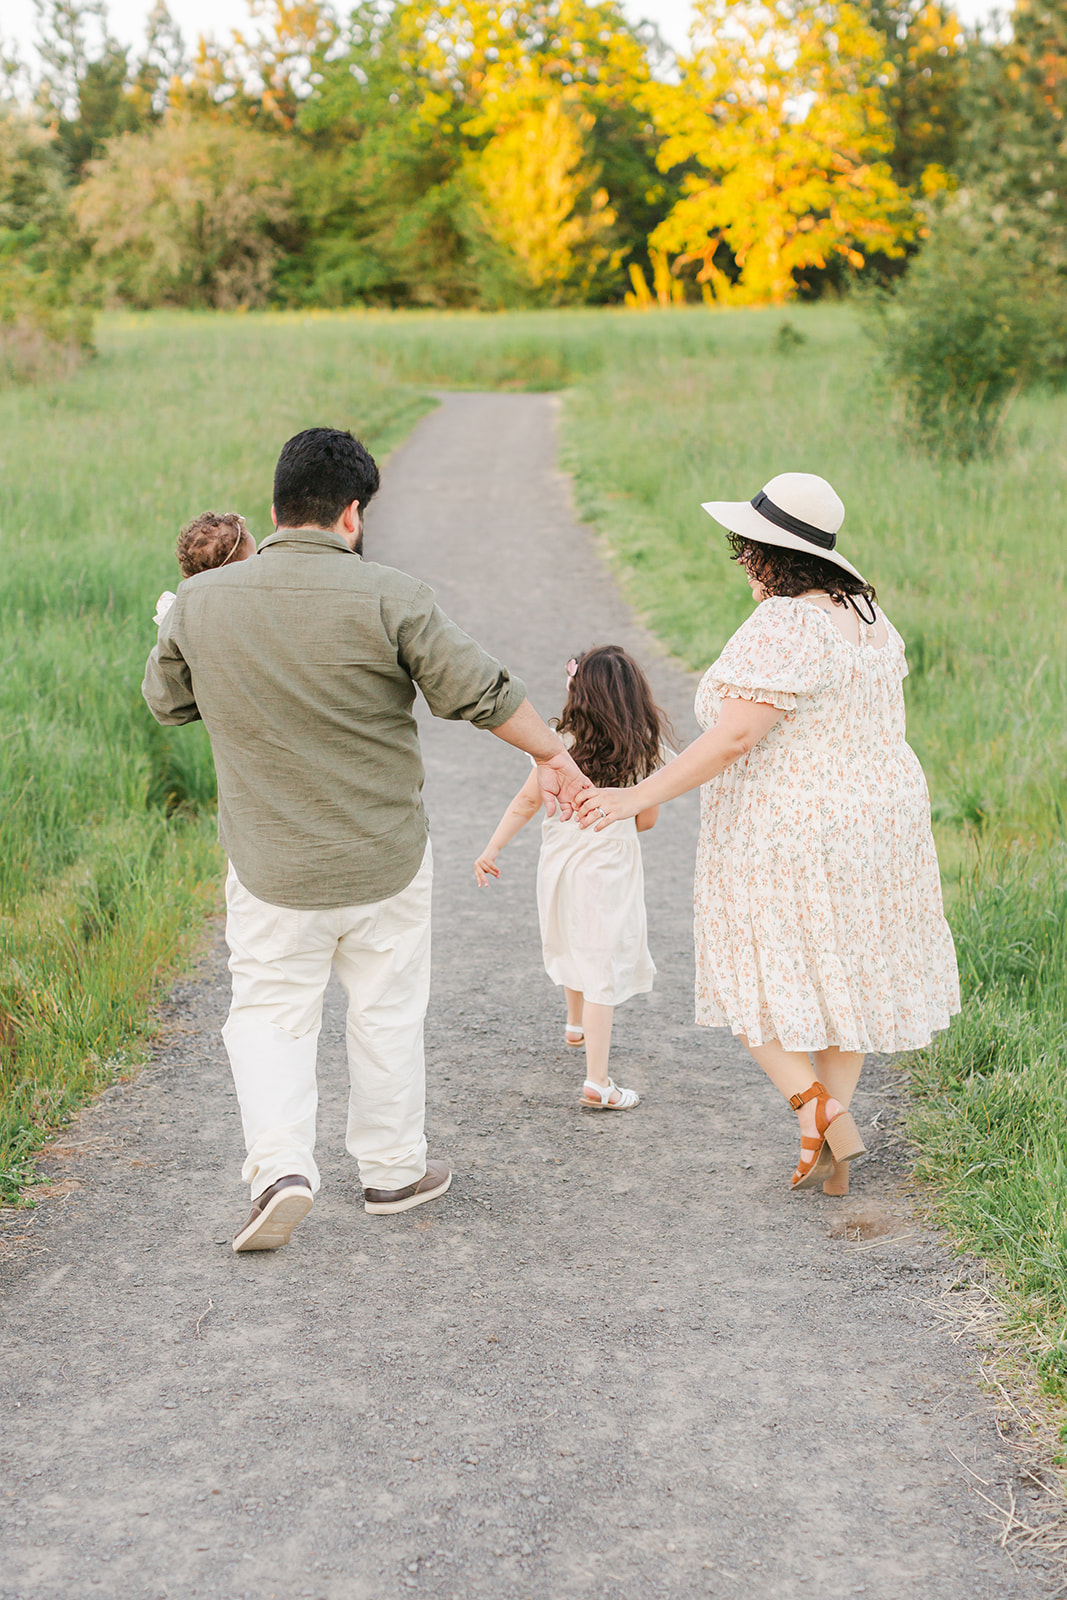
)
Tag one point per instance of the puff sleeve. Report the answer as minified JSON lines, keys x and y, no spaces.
{"x":780,"y":654}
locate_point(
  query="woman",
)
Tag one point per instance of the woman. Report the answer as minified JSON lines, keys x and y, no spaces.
{"x":819,"y":928}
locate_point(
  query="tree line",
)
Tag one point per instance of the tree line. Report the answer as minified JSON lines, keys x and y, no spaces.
{"x":544,"y":152}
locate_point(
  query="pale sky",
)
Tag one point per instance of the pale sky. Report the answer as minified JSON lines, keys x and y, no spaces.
{"x":219,"y":17}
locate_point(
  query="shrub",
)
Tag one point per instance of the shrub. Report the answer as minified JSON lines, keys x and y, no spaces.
{"x":30,"y":354}
{"x":975,"y":321}
{"x":42,"y":334}
{"x":185,"y":215}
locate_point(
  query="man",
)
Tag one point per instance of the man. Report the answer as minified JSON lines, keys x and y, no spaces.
{"x":303,"y":663}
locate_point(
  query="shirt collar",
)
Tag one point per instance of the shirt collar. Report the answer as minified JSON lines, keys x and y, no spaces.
{"x":307,"y":536}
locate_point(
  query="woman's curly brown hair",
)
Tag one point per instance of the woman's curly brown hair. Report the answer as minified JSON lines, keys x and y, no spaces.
{"x":616,"y":728}
{"x":792,"y":572}
{"x":209,"y":541}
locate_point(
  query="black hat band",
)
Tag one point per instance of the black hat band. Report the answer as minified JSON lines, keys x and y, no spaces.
{"x":782,"y":519}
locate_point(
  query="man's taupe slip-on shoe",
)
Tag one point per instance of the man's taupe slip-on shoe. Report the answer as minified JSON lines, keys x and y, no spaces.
{"x":434,"y":1181}
{"x":275,"y":1213}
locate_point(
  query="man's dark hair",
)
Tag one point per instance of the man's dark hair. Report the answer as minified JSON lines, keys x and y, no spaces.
{"x":319,"y":472}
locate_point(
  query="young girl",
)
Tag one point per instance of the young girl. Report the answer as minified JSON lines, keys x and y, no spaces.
{"x":590,"y":886}
{"x":213,"y":539}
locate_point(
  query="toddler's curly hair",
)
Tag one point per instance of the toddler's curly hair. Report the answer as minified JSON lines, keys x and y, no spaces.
{"x":209,"y":541}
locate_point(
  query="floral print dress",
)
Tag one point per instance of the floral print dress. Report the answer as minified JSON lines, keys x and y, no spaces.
{"x":818,"y":914}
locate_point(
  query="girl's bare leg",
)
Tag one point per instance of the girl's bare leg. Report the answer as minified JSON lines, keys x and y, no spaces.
{"x":575,"y":1003}
{"x":791,"y":1072}
{"x":838,"y":1071}
{"x":597,"y":1022}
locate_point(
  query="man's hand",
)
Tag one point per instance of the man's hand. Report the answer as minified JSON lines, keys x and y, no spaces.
{"x":562,"y":781}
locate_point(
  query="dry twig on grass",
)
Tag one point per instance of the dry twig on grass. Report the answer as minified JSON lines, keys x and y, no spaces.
{"x":969,"y":1308}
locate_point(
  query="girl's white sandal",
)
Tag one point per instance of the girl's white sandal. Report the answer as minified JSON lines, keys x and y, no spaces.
{"x":573,"y":1035}
{"x":628,"y":1098}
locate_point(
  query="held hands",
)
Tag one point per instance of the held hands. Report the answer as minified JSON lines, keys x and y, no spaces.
{"x":562,"y":782}
{"x":485,"y":867}
{"x":599,"y":807}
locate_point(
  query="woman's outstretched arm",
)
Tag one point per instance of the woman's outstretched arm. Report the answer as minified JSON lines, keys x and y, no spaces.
{"x":741,"y":726}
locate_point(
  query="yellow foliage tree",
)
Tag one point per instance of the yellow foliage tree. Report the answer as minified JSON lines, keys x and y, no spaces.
{"x":780,"y":117}
{"x":534,"y":80}
{"x":541,"y":196}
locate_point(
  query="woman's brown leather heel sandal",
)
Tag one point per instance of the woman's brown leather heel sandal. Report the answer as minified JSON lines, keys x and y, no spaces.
{"x":838,"y":1139}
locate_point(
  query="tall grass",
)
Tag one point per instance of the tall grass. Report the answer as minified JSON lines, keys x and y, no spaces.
{"x":991,"y":1095}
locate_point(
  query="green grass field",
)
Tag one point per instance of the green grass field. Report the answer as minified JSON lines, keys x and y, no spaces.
{"x":107,"y":858}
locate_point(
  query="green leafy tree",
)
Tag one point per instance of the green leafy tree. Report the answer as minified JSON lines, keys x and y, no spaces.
{"x":397,"y":203}
{"x":386,"y":214}
{"x":982,"y":313}
{"x":925,"y":51}
{"x":33,"y":193}
{"x":39,"y":320}
{"x":1014,"y":152}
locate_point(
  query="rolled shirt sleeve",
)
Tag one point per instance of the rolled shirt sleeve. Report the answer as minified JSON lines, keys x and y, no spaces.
{"x":459,"y":679}
{"x":168,"y":683}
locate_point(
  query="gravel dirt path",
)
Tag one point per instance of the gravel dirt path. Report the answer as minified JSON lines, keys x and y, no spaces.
{"x":619,"y":1359}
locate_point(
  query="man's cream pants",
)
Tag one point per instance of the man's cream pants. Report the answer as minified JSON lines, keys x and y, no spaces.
{"x":281,"y":961}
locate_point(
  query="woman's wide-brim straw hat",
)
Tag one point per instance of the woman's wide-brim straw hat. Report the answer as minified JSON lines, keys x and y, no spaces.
{"x":796,"y":510}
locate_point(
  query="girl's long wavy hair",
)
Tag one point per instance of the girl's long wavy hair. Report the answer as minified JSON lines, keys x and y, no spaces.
{"x":616,"y":728}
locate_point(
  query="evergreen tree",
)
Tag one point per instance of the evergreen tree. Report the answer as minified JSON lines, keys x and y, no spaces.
{"x":83,"y":89}
{"x":163,"y":63}
{"x":66,"y":33}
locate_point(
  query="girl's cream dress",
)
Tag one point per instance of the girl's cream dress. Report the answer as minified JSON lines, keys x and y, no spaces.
{"x":591,"y":902}
{"x":818,"y":913}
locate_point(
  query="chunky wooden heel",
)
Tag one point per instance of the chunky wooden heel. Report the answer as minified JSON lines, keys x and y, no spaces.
{"x":843,"y":1137}
{"x":837,"y":1139}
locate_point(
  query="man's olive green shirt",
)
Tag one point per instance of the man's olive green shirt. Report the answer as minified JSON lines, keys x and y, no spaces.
{"x":302,"y":662}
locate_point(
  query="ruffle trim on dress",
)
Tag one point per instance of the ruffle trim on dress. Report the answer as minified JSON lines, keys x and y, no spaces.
{"x":780,"y":698}
{"x":762,"y":1029}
